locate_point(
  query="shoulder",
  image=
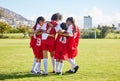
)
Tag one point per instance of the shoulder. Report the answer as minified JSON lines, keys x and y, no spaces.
{"x":54,"y":23}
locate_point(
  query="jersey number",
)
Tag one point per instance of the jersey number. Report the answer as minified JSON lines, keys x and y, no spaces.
{"x":63,"y":40}
{"x":38,"y":42}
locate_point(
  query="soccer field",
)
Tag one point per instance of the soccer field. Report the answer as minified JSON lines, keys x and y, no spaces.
{"x":99,"y":60}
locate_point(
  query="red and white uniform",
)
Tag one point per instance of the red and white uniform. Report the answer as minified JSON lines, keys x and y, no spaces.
{"x":35,"y":43}
{"x":49,"y":42}
{"x":61,"y":51}
{"x":73,"y":42}
{"x":38,"y":46}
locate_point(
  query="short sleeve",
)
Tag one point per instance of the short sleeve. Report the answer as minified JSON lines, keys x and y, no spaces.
{"x":57,"y":28}
{"x":44,"y":27}
{"x":70,"y":29}
{"x":37,"y":27}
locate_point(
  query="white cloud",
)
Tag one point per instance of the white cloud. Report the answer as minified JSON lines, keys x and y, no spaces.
{"x":99,"y":17}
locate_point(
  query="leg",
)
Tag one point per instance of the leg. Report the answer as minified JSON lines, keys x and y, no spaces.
{"x":33,"y":64}
{"x":61,"y":66}
{"x":45,"y":61}
{"x":53,"y":60}
{"x":37,"y":66}
{"x":57,"y":64}
{"x":74,"y":67}
{"x":71,"y":62}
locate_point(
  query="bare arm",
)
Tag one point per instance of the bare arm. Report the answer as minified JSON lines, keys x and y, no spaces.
{"x":65,"y":34}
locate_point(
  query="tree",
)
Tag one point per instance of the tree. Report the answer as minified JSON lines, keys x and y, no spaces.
{"x":14,"y":30}
{"x":4,"y":27}
{"x":24,"y":30}
{"x":98,"y":33}
{"x":105,"y":30}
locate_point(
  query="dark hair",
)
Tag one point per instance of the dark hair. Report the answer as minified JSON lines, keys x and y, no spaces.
{"x":38,"y":20}
{"x":56,"y":17}
{"x":63,"y":26}
{"x":72,"y":20}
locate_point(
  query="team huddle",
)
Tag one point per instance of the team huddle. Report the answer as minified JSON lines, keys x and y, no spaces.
{"x":59,"y":39}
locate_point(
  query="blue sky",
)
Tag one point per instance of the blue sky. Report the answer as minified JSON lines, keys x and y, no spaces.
{"x":31,"y":9}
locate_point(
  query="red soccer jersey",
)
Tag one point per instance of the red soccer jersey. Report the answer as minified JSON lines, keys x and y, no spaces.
{"x":51,"y":30}
{"x":61,"y":51}
{"x":49,"y":43}
{"x":38,"y":47}
{"x":73,"y":44}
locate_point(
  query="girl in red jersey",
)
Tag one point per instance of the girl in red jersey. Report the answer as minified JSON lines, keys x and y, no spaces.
{"x":36,"y":45}
{"x":32,"y":45}
{"x":61,"y":52}
{"x":72,"y":43}
{"x":48,"y":44}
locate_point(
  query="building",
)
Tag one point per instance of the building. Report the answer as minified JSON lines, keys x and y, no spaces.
{"x":118,"y":25}
{"x":118,"y":29}
{"x":87,"y":22}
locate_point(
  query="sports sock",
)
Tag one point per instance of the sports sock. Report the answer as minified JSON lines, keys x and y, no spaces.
{"x":45,"y":63}
{"x":53,"y":63}
{"x":38,"y":67}
{"x":57,"y":64}
{"x":71,"y":62}
{"x":33,"y":64}
{"x":61,"y":67}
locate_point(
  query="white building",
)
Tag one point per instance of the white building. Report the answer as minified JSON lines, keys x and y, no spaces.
{"x":118,"y":25}
{"x":118,"y":29}
{"x":87,"y":22}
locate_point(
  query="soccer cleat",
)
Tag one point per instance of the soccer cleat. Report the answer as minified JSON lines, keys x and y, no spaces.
{"x":76,"y":68}
{"x":59,"y":73}
{"x":39,"y":73}
{"x":69,"y":71}
{"x":53,"y":71}
{"x":45,"y":74}
{"x":32,"y":72}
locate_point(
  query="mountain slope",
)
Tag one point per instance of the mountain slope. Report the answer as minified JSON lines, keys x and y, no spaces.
{"x":13,"y":18}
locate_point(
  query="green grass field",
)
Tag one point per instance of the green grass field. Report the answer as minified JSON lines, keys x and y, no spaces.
{"x":99,"y":60}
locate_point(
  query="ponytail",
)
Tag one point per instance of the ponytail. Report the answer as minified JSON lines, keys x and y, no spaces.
{"x":74,"y":28}
{"x":34,"y":27}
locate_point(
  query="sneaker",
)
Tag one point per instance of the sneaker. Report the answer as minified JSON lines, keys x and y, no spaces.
{"x":76,"y":69}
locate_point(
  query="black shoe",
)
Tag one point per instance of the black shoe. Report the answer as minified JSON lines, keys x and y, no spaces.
{"x":39,"y":73}
{"x":76,"y":68}
{"x":32,"y":72}
{"x":69,"y":71}
{"x":45,"y":74}
{"x":59,"y":73}
{"x":53,"y":71}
